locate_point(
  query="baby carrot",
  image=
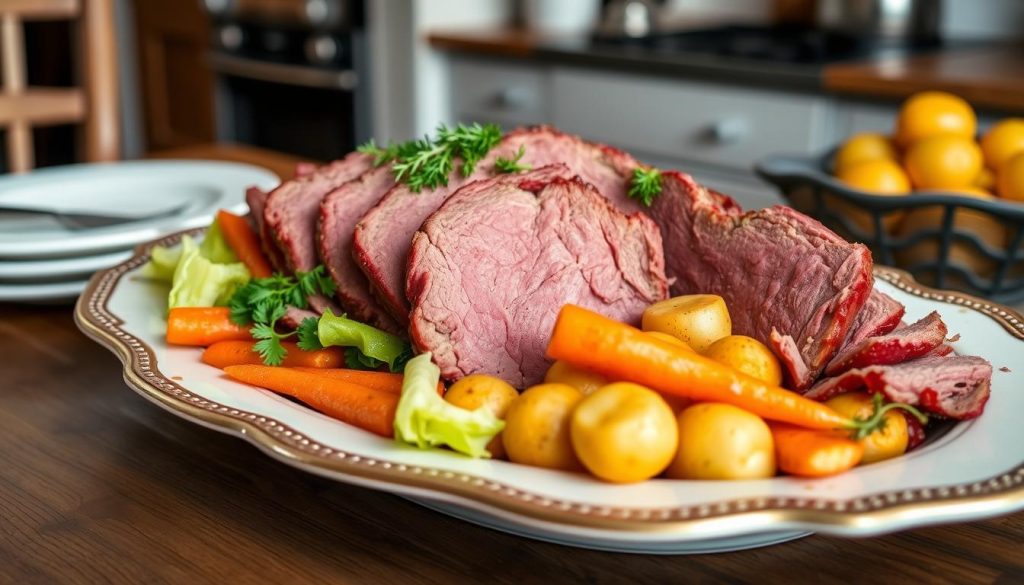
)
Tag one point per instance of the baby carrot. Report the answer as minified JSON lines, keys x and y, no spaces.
{"x":203,"y":326}
{"x":244,"y":242}
{"x":367,"y":408}
{"x":620,"y":352}
{"x":236,"y":353}
{"x":385,"y":381}
{"x":810,"y":453}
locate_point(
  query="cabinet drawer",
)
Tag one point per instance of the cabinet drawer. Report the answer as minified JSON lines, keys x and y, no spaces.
{"x":706,"y":122}
{"x":495,"y":91}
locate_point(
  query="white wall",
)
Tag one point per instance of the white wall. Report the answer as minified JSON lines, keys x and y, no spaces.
{"x":410,"y":79}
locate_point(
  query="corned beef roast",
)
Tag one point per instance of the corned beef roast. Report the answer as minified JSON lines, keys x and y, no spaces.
{"x":381,"y":240}
{"x":340,"y":210}
{"x":489,"y":271}
{"x":901,"y":345}
{"x":256,"y":198}
{"x":788,"y":281}
{"x":880,"y":315}
{"x":956,"y":386}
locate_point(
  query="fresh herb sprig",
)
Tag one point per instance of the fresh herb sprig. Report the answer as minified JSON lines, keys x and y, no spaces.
{"x":429,"y":163}
{"x":645,"y":185}
{"x":264,"y":301}
{"x":512,"y":165}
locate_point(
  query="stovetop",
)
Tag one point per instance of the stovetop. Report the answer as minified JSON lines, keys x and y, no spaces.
{"x":780,"y":45}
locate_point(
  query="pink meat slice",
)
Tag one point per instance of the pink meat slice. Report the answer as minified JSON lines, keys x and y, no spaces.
{"x":880,"y":315}
{"x":339,"y":213}
{"x":256,"y":198}
{"x":956,"y":386}
{"x":489,"y":271}
{"x":788,"y":281}
{"x":382,"y":237}
{"x":901,"y":345}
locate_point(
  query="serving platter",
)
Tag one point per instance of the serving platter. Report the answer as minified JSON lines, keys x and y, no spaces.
{"x":973,"y":470}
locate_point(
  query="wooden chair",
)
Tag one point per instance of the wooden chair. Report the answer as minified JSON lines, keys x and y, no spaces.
{"x":94,"y":104}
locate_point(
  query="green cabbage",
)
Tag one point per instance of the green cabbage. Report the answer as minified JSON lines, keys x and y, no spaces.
{"x":426,"y":420}
{"x":379,"y":346}
{"x":200,"y":275}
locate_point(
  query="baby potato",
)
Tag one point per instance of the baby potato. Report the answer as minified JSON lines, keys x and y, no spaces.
{"x":698,"y":320}
{"x":479,"y":390}
{"x":722,"y":441}
{"x":887,"y":442}
{"x":624,"y":432}
{"x":537,"y":427}
{"x":585,"y":381}
{"x":747,"y":355}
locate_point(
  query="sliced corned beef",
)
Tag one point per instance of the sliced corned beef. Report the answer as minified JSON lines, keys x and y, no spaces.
{"x":381,"y":239}
{"x":777,"y":269}
{"x":900,"y":345}
{"x":257,"y":200}
{"x":339,"y":213}
{"x":489,"y":271}
{"x":293,"y":207}
{"x":955,"y":386}
{"x":880,"y":315}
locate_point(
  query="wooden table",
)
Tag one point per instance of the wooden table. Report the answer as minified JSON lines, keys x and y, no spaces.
{"x":97,"y":485}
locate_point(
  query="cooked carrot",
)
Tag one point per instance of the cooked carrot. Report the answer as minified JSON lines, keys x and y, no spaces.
{"x":620,"y":352}
{"x":236,"y":353}
{"x":203,"y":326}
{"x":385,"y":381}
{"x":810,"y":453}
{"x":367,"y":408}
{"x":244,"y":242}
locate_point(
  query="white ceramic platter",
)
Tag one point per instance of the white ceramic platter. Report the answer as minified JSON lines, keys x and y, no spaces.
{"x":974,"y":470}
{"x":196,"y":189}
{"x":48,"y":292}
{"x":55,"y":269}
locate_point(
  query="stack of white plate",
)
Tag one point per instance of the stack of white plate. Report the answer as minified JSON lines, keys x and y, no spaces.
{"x":45,"y":259}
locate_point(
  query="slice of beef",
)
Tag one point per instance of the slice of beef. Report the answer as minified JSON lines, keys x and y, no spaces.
{"x":880,"y":315}
{"x":901,"y":345}
{"x":942,"y":350}
{"x":955,"y":386}
{"x":293,"y":207}
{"x":339,"y":213}
{"x":257,"y":200}
{"x":778,"y":270}
{"x":294,"y":316}
{"x":489,"y":271}
{"x":381,"y":240}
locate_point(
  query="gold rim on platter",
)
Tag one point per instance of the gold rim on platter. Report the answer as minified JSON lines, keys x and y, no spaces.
{"x":873,"y":511}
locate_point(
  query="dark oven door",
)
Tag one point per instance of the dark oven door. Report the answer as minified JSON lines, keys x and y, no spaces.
{"x":306,"y":111}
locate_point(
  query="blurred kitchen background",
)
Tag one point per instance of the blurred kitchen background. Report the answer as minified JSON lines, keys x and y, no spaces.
{"x":707,"y":86}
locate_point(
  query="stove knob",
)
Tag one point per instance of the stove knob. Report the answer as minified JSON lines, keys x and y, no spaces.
{"x":231,"y":37}
{"x":274,"y":41}
{"x":217,"y":7}
{"x":321,"y":13}
{"x":322,"y":49}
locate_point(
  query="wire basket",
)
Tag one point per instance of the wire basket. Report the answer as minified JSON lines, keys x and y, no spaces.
{"x":945,"y":240}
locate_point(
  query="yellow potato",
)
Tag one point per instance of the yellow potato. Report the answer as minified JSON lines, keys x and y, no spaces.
{"x":537,"y":427}
{"x":747,"y":355}
{"x":479,"y":390}
{"x":885,"y":443}
{"x":722,"y":441}
{"x":698,"y":320}
{"x":585,"y":381}
{"x":624,"y":432}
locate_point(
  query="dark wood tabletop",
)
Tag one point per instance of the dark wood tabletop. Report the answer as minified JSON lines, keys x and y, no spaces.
{"x":97,"y":485}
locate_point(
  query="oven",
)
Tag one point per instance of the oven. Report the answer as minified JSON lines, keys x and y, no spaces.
{"x":291,"y":75}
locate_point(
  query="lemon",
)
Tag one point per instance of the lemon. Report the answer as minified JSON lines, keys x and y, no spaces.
{"x":864,"y":147}
{"x":943,"y":162}
{"x":934,"y":113}
{"x":1010,"y":182}
{"x":1002,"y":142}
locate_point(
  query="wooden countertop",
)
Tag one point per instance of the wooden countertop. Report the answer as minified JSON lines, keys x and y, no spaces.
{"x":989,"y":77}
{"x":101,"y":486}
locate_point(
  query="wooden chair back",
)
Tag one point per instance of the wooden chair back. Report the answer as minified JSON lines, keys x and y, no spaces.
{"x":94,"y":104}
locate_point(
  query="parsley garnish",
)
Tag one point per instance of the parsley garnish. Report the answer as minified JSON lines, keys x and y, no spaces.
{"x":263,"y":301}
{"x":512,"y":165}
{"x":646,"y":185}
{"x":429,"y":163}
{"x":309,"y":338}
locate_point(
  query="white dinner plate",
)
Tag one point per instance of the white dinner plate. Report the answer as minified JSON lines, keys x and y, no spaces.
{"x":197,"y":188}
{"x":54,"y":269}
{"x":49,"y":292}
{"x":969,"y":470}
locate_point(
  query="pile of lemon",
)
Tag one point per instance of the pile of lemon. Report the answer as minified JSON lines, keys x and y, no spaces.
{"x":934,"y":148}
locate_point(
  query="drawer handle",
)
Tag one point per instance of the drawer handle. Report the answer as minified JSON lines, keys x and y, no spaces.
{"x":728,"y":131}
{"x":513,"y":98}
